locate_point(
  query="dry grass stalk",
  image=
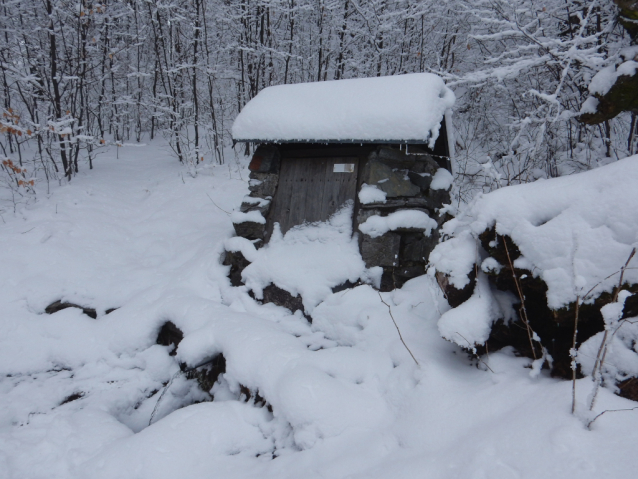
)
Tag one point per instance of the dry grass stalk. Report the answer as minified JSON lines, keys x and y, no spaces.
{"x":523,"y":310}
{"x":597,"y":376}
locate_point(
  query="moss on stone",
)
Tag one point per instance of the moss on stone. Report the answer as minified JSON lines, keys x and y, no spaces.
{"x":628,"y":11}
{"x":623,"y":96}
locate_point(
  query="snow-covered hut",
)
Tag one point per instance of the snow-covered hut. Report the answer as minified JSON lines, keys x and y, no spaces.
{"x":381,"y":143}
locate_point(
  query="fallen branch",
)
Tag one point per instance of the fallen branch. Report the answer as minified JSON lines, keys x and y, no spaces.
{"x":217,"y":204}
{"x":397,"y":326}
{"x":609,"y":410}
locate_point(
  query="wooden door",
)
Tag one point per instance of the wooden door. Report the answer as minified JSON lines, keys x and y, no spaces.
{"x":312,"y":189}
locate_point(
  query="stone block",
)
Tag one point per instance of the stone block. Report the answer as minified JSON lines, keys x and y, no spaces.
{"x":456,"y":297}
{"x":262,"y":185}
{"x":364,"y":214}
{"x":170,"y":335}
{"x":426,"y":164}
{"x":417,"y":247}
{"x":422,"y":203}
{"x":250,"y":229}
{"x":59,"y":306}
{"x":390,"y":180}
{"x":281,"y":297}
{"x":207,"y":375}
{"x":405,"y":273}
{"x":256,"y":204}
{"x":237,"y":263}
{"x":422,"y":180}
{"x":439,"y":198}
{"x":398,"y":185}
{"x":396,"y":158}
{"x":388,"y":280}
{"x":382,"y":250}
{"x":265,"y":160}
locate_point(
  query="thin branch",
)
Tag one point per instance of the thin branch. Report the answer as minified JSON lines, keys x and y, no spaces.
{"x":573,"y":355}
{"x":523,"y":309}
{"x":589,"y":424}
{"x":397,"y":326}
{"x":602,"y":351}
{"x":473,"y":349}
{"x":217,"y":204}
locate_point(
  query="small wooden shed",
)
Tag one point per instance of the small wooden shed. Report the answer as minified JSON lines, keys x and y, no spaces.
{"x":324,"y":144}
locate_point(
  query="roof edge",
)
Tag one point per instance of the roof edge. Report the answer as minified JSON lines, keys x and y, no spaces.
{"x":362,"y":142}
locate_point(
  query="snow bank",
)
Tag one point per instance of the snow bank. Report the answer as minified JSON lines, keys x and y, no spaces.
{"x":399,"y":108}
{"x":209,"y":431}
{"x":309,"y":260}
{"x":376,"y":225}
{"x":573,"y":232}
{"x":76,"y":393}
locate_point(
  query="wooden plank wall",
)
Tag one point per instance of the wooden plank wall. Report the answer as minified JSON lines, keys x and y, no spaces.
{"x":309,"y":190}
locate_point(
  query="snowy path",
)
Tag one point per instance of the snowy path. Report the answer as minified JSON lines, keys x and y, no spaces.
{"x":348,"y":400}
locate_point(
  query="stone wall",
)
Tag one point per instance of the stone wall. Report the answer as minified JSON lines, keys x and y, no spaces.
{"x":406,"y":180}
{"x":264,"y":178}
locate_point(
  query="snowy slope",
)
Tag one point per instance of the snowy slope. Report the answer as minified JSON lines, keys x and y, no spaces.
{"x":347,"y":398}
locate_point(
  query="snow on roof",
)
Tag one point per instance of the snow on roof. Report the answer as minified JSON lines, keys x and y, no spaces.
{"x":402,"y":108}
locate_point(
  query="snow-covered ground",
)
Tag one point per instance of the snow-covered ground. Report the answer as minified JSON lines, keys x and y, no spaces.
{"x":348,"y":400}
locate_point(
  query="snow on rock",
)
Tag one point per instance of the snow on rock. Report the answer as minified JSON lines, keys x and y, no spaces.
{"x":606,"y":78}
{"x":238,"y":244}
{"x":309,"y":260}
{"x":371,"y":194}
{"x":621,"y":360}
{"x":400,"y":108}
{"x":574,"y":229}
{"x":238,"y":217}
{"x":612,"y":312}
{"x":471,"y":322}
{"x":255,"y":201}
{"x":376,"y":225}
{"x":490,"y":265}
{"x":456,"y":257}
{"x":602,"y":82}
{"x":590,"y":105}
{"x":442,"y":180}
{"x":621,"y":357}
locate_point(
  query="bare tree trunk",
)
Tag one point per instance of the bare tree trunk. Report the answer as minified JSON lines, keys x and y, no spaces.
{"x":57,"y":99}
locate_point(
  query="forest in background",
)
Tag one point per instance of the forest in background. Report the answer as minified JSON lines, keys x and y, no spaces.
{"x":78,"y":76}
